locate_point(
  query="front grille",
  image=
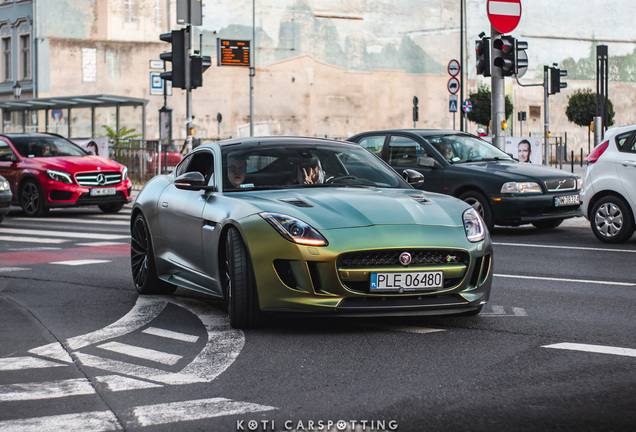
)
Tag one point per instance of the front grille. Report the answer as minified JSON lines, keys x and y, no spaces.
{"x":559,"y":185}
{"x":392,"y":257}
{"x":98,"y":178}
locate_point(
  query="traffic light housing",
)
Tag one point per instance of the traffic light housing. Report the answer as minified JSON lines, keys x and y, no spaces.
{"x":555,"y":80}
{"x":482,"y":51}
{"x":177,"y":56}
{"x":198,"y":65}
{"x":505,"y":59}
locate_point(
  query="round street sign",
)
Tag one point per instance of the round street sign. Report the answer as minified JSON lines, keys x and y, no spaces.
{"x":453,"y":68}
{"x":467,"y":106}
{"x":453,"y":85}
{"x":504,"y":15}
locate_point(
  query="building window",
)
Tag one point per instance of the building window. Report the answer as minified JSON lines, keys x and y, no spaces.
{"x":130,"y":11}
{"x":25,"y":56}
{"x":158,"y":14}
{"x":6,"y":58}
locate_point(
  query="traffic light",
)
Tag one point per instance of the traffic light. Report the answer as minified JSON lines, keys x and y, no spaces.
{"x":482,"y":50}
{"x":555,"y":80}
{"x":505,"y":60}
{"x":198,"y":65}
{"x":416,"y":112}
{"x":521,"y":61}
{"x":177,"y":56}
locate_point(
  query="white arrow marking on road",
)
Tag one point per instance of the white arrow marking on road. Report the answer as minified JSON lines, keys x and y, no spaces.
{"x":598,"y":349}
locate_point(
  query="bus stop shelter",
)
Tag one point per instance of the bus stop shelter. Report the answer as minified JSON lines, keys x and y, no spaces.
{"x":74,"y":116}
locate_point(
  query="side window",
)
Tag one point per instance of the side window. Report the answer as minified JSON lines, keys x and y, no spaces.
{"x":626,"y":142}
{"x":6,"y":154}
{"x":404,"y":151}
{"x":183,"y":165}
{"x":373,"y":143}
{"x":201,"y":161}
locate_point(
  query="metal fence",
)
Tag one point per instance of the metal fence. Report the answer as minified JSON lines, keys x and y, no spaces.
{"x":142,"y":158}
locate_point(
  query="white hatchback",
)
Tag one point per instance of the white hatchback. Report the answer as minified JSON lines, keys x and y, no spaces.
{"x":608,"y":195}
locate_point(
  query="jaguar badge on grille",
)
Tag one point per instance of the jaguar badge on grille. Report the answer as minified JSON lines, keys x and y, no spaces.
{"x":405,"y":259}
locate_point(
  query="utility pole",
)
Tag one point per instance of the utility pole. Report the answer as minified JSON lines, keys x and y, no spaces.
{"x":498,"y":96}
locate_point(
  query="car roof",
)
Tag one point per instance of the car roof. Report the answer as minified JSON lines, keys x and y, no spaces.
{"x":619,"y":129}
{"x":29,"y":135}
{"x":276,"y":139}
{"x":420,"y":132}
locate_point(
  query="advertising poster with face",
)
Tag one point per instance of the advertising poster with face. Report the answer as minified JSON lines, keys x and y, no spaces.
{"x":526,"y":149}
{"x":97,"y":146}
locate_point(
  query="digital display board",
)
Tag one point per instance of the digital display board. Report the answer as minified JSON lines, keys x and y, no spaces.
{"x":233,"y":52}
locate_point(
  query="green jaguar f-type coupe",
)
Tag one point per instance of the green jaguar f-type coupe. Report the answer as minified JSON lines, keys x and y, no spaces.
{"x":307,"y":225}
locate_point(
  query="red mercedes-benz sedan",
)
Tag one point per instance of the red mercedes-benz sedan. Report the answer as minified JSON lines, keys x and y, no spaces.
{"x":47,"y":171}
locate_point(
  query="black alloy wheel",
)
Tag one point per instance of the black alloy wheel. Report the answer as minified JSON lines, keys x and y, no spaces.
{"x":32,"y":199}
{"x":142,"y":261}
{"x":240,"y":285}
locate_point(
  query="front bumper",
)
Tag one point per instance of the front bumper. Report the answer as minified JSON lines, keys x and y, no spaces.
{"x":71,"y":195}
{"x":523,"y":209}
{"x":310,"y":280}
{"x":5,"y":202}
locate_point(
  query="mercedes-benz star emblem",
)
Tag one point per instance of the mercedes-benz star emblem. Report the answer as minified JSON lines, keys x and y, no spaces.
{"x":405,"y":259}
{"x":101,"y":179}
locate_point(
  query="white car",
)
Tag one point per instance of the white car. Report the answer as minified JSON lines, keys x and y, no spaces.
{"x":608,"y":195}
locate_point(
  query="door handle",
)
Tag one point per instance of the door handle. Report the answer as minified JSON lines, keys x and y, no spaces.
{"x":164,"y":204}
{"x":629,"y":163}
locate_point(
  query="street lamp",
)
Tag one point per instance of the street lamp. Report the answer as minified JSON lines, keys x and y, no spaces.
{"x":17,"y":90}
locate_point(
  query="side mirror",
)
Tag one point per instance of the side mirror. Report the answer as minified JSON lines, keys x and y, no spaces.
{"x":9,"y":157}
{"x":412,"y":177}
{"x":427,"y":162}
{"x":192,"y":181}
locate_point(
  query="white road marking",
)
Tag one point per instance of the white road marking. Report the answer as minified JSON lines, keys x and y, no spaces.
{"x":64,"y":234}
{"x":169,"y":334}
{"x":99,"y":244}
{"x":582,"y":248}
{"x":77,"y":221}
{"x":141,"y":353}
{"x":45,"y":390}
{"x":21,"y":363}
{"x":500,"y":311}
{"x":586,"y":281}
{"x":519,"y":311}
{"x":599,"y":349}
{"x":10,"y":269}
{"x":153,"y":415}
{"x":32,"y":240}
{"x":117,"y":383}
{"x":80,"y":262}
{"x":53,"y":351}
{"x":81,"y":422}
{"x":404,"y":329}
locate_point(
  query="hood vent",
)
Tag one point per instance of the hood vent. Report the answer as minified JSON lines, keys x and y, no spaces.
{"x":421,"y":199}
{"x":296,"y":202}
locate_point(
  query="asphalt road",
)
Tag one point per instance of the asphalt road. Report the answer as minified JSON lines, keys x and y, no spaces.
{"x":80,"y":350}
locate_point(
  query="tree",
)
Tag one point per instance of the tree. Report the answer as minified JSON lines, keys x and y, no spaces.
{"x":115,"y":136}
{"x":481,"y":102}
{"x":581,"y":108}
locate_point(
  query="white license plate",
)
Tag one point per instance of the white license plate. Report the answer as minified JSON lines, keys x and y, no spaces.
{"x":103,"y":191}
{"x":406,"y":281}
{"x":567,"y":200}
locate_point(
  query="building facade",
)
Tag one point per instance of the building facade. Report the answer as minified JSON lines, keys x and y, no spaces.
{"x":322,"y":67}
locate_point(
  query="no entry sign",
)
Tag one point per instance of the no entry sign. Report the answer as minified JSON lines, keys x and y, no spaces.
{"x":504,"y":15}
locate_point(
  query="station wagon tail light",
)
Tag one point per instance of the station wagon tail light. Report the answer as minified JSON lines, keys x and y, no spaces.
{"x":597,"y":152}
{"x":521,"y":187}
{"x":60,"y":176}
{"x":474,"y":226}
{"x":294,"y":230}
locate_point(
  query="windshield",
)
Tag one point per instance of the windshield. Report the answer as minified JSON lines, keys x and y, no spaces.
{"x":465,"y":148}
{"x":45,"y":146}
{"x":298,"y":166}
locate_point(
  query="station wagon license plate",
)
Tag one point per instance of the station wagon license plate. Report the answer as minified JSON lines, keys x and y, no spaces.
{"x":567,"y":200}
{"x":406,"y":281}
{"x":103,"y":191}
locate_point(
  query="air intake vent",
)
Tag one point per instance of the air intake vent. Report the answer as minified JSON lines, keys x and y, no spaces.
{"x":296,"y":201}
{"x":421,"y":199}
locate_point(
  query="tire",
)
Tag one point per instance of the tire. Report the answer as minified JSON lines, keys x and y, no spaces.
{"x":32,"y":199}
{"x":142,"y":261}
{"x":547,"y":224}
{"x":240,"y":284}
{"x":479,"y":202}
{"x":111,"y":208}
{"x":611,"y":220}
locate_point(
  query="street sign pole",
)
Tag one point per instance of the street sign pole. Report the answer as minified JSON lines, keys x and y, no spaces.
{"x":498,"y":97}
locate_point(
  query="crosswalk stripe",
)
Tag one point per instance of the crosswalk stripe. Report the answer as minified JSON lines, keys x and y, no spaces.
{"x":153,"y":415}
{"x":22,"y":363}
{"x":99,"y":244}
{"x":141,"y":353}
{"x":32,"y":240}
{"x":80,"y":422}
{"x":169,"y":334}
{"x":64,"y":234}
{"x":80,"y":262}
{"x":117,"y":383}
{"x":76,"y":220}
{"x":45,"y":390}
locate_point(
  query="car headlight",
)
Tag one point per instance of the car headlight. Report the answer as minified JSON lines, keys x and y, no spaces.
{"x":4,"y":185}
{"x":60,"y":176}
{"x":474,"y":226}
{"x":521,"y":187}
{"x":124,"y":172}
{"x":295,"y":230}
